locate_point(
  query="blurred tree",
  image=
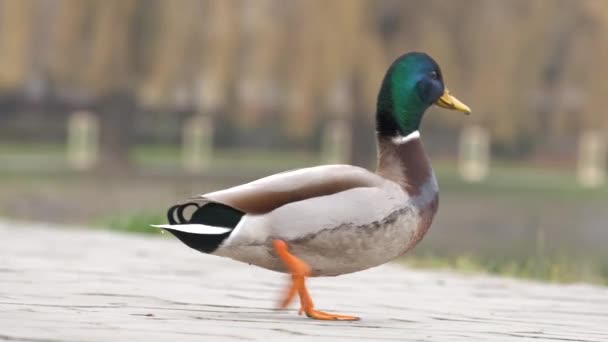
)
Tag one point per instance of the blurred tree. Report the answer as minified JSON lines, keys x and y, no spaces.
{"x":111,"y":74}
{"x":15,"y":43}
{"x":262,"y":46}
{"x":304,"y":71}
{"x":528,"y":68}
{"x":593,"y":50}
{"x":94,"y":60}
{"x":217,"y":51}
{"x":168,"y":49}
{"x":66,"y":45}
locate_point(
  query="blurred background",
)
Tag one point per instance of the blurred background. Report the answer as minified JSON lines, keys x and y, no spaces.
{"x":112,"y":110}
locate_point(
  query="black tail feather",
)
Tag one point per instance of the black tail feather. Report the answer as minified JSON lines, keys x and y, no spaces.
{"x":210,"y":214}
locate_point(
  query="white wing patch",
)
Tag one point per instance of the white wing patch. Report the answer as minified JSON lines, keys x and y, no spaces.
{"x":194,"y":228}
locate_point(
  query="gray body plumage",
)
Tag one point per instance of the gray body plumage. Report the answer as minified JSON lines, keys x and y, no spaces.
{"x":341,"y":233}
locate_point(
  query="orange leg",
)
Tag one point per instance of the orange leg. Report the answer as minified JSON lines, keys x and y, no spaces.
{"x":299,"y":271}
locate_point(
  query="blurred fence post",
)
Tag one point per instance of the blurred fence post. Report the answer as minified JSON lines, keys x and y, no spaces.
{"x":197,"y":136}
{"x":83,"y":140}
{"x":592,"y":159}
{"x":337,"y":133}
{"x":336,"y":142}
{"x":474,"y":154}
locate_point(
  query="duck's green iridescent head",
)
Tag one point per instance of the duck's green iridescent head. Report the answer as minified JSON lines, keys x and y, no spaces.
{"x":411,"y":85}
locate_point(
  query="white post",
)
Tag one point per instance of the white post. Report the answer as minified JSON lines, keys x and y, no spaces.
{"x":336,"y":142}
{"x":210,"y":96}
{"x":474,"y":154}
{"x":83,"y":140}
{"x":592,"y":159}
{"x":197,"y":143}
{"x":337,"y":133}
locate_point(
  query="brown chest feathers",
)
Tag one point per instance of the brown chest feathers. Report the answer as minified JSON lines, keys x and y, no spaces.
{"x":405,"y":164}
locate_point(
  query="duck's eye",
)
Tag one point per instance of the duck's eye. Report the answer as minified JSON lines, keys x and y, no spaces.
{"x":434,"y":75}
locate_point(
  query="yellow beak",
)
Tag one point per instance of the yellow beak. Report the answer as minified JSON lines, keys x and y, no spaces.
{"x":450,"y":102}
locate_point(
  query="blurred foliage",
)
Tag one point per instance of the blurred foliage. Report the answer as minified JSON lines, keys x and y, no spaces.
{"x":517,"y":179}
{"x":132,"y":223}
{"x":249,"y":163}
{"x":560,"y":269}
{"x":529,"y":68}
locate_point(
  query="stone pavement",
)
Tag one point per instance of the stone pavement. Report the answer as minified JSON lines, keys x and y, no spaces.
{"x":59,"y":284}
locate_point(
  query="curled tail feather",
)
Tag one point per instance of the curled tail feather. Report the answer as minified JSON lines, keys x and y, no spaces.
{"x":208,"y":226}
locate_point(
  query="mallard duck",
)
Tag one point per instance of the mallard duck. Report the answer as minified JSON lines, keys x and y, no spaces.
{"x":332,"y":219}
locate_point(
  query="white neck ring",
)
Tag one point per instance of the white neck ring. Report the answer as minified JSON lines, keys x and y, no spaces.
{"x":399,"y":139}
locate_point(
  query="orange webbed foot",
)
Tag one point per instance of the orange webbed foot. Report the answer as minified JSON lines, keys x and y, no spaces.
{"x":326,"y":316}
{"x":299,"y":271}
